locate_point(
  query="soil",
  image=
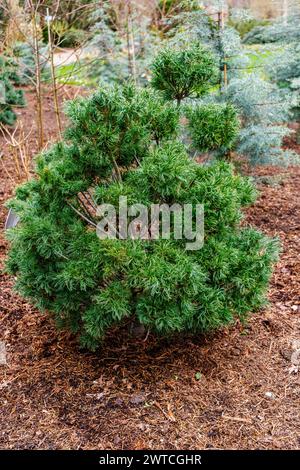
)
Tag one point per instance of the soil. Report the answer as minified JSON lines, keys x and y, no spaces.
{"x":237,"y":389}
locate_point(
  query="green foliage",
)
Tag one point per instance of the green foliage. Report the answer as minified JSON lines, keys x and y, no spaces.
{"x":176,"y":6}
{"x":24,"y":58}
{"x":262,"y":145}
{"x":244,"y":27}
{"x":122,"y":141}
{"x":284,"y":29}
{"x":260,"y":104}
{"x":9,"y":69}
{"x":284,"y":67}
{"x":76,"y":14}
{"x":182,"y":73}
{"x":9,"y":95}
{"x":213,"y":126}
{"x":73,"y":38}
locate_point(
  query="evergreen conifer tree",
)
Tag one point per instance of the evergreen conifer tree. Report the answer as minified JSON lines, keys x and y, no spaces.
{"x":122,"y":141}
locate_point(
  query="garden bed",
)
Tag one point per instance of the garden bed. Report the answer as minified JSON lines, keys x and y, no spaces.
{"x":233,"y":389}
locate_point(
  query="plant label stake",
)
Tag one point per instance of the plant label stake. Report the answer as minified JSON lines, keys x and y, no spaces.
{"x":11,"y":220}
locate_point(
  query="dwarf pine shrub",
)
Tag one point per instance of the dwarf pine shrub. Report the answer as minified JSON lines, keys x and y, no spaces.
{"x":123,"y":141}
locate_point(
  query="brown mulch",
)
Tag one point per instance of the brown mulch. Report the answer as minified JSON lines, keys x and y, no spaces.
{"x":233,"y":389}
